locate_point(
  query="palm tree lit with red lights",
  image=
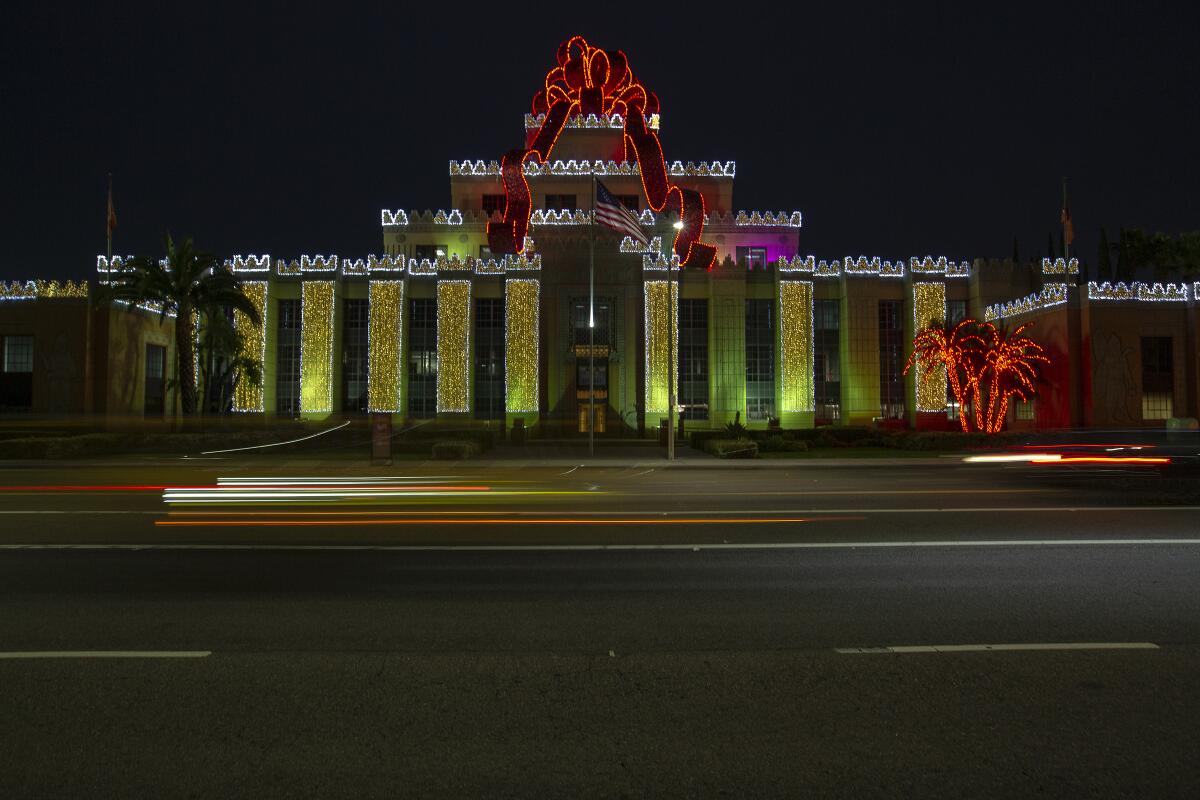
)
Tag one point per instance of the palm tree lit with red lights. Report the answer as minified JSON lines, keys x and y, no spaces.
{"x":985,"y":365}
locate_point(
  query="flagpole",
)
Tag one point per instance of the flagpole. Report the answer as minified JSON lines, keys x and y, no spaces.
{"x":672,"y":339}
{"x":592,"y":326}
{"x":108,"y":220}
{"x":1065,"y":222}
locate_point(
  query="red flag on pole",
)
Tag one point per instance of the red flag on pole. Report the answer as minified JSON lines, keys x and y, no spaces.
{"x":1068,"y":227}
{"x":112,"y":212}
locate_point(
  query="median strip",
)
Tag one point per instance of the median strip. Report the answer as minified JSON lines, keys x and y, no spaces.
{"x":31,"y":654}
{"x":995,"y":648}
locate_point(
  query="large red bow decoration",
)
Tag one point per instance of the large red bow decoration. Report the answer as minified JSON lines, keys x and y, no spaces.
{"x":589,"y":80}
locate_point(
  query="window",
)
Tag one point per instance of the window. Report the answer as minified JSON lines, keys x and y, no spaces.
{"x":18,"y":354}
{"x":429,"y":251}
{"x":760,"y":359}
{"x":956,"y":312}
{"x":693,"y":358}
{"x":493,"y":204}
{"x":557,"y":202}
{"x":154,"y":404}
{"x":1158,"y":378}
{"x":600,"y":377}
{"x":891,"y":348}
{"x":827,"y":379}
{"x":16,"y":372}
{"x":422,"y":358}
{"x":755,"y":258}
{"x":1023,"y":409}
{"x":630,"y":201}
{"x":287,"y":359}
{"x":354,"y":355}
{"x":489,"y":358}
{"x":579,"y":321}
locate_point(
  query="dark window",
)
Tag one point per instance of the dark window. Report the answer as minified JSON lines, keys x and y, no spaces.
{"x":16,"y":372}
{"x":760,"y":359}
{"x":156,"y":380}
{"x":493,"y":204}
{"x":956,"y":312}
{"x":558,"y":202}
{"x":422,"y":358}
{"x":693,"y":358}
{"x":489,"y":358}
{"x":827,"y":373}
{"x":287,"y":359}
{"x":581,"y":375}
{"x":18,"y":354}
{"x":755,"y":258}
{"x":354,"y":355}
{"x":1158,"y":378}
{"x":630,"y":201}
{"x":579,"y":321}
{"x":428,"y":251}
{"x":891,"y":349}
{"x":220,"y":393}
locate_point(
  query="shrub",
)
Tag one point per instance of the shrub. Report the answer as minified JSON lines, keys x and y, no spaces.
{"x":827,"y":439}
{"x":732,"y":448}
{"x":772,"y":444}
{"x":455,"y":449}
{"x":699,"y":439}
{"x":735,"y":429}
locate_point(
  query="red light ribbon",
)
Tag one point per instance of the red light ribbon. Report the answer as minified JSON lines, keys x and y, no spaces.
{"x":589,"y":80}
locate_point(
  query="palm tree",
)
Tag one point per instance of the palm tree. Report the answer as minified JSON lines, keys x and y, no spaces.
{"x":957,"y":350}
{"x":187,"y":283}
{"x":980,"y":359}
{"x":1009,"y":365}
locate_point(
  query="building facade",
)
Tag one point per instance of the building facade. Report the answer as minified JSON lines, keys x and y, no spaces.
{"x":580,"y":329}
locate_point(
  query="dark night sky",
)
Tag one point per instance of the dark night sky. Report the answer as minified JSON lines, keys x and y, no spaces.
{"x":898,"y":132}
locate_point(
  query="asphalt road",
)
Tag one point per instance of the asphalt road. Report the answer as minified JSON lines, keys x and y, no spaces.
{"x":730,"y":641}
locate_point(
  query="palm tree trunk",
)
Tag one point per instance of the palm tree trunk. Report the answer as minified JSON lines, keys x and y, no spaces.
{"x":184,"y":349}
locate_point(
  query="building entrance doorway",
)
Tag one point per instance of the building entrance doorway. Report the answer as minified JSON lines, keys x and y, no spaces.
{"x":594,"y":400}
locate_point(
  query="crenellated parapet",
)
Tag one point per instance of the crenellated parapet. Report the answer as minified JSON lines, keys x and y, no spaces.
{"x":599,"y":168}
{"x":594,"y":121}
{"x":1060,"y":266}
{"x":1137,"y":290}
{"x":42,"y":290}
{"x":874,"y":267}
{"x":1052,"y":294}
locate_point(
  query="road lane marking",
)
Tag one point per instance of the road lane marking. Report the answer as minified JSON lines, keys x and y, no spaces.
{"x":469,"y":548}
{"x":29,"y":654}
{"x":994,"y":648}
{"x":460,"y":521}
{"x":807,"y":512}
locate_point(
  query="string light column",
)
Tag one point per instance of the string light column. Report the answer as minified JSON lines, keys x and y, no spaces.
{"x":796,"y":395}
{"x":929,"y":382}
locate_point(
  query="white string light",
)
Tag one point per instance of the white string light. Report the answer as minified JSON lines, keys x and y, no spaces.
{"x":590,"y":121}
{"x":767,"y":219}
{"x":1060,"y":266}
{"x":572,"y":167}
{"x":1145,"y":292}
{"x":248,"y":263}
{"x":1052,"y":294}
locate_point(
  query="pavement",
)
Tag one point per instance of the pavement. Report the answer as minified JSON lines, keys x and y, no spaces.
{"x":932,"y":629}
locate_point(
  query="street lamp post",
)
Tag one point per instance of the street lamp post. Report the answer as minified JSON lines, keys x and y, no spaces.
{"x":671,"y":352}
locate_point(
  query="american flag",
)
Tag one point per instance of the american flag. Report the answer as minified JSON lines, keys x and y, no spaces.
{"x":611,"y":213}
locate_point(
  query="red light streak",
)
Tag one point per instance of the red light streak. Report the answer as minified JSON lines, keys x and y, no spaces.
{"x":1111,"y":460}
